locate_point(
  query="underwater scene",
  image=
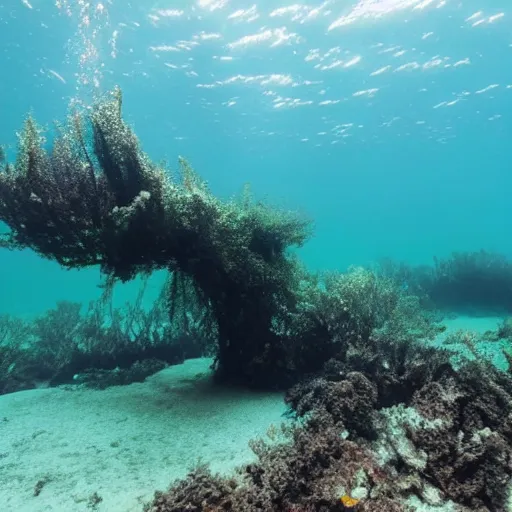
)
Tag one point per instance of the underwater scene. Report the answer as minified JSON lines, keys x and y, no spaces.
{"x":255,"y":256}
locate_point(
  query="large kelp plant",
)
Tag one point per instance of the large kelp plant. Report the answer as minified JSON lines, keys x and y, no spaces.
{"x":96,"y":199}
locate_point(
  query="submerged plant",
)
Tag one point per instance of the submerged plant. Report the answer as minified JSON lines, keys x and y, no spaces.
{"x":97,"y":199}
{"x":477,"y":282}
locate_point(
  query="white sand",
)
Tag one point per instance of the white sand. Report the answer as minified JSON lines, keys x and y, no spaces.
{"x":473,"y":323}
{"x":124,"y":442}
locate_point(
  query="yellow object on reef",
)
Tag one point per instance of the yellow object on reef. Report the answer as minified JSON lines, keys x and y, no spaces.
{"x":348,"y":501}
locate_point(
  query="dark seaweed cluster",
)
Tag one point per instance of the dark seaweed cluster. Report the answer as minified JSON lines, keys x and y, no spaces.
{"x":102,"y":345}
{"x":444,"y":437}
{"x":96,"y":199}
{"x":477,"y":282}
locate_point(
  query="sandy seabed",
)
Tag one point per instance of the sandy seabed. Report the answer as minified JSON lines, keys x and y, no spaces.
{"x":123,"y":443}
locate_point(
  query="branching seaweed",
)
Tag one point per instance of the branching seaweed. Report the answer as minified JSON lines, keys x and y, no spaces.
{"x":97,"y":199}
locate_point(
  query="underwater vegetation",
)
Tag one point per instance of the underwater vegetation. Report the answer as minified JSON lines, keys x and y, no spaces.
{"x":101,"y":346}
{"x":97,"y":199}
{"x":443,"y":441}
{"x":477,"y":282}
{"x":381,"y":420}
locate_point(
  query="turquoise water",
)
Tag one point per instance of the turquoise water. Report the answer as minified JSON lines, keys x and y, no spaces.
{"x":387,"y":122}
